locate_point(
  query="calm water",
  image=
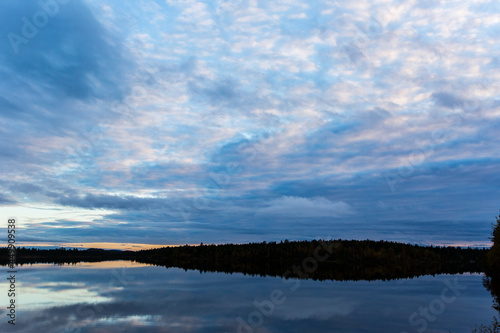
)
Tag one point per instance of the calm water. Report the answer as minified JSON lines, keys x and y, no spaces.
{"x":130,"y":297}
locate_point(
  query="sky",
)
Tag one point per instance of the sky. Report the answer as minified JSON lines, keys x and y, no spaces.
{"x":178,"y":122}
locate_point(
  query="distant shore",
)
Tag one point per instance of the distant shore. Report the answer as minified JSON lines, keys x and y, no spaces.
{"x":317,"y":259}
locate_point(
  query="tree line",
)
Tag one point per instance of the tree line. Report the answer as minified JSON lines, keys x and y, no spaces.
{"x":340,"y":259}
{"x":63,"y":255}
{"x":317,"y":259}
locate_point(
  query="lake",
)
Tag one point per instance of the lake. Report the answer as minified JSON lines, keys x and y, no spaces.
{"x":124,"y":296}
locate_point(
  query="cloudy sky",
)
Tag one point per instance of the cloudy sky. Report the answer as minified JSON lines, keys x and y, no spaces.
{"x":183,"y":121}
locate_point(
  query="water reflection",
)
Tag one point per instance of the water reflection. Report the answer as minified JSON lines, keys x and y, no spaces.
{"x":130,"y":297}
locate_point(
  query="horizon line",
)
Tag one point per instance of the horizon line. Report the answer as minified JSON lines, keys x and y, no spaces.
{"x":142,"y":246}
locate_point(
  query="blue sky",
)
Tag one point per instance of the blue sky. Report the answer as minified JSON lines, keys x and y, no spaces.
{"x":174,"y":122}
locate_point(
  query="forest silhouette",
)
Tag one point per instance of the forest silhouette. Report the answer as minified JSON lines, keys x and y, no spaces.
{"x":317,"y":259}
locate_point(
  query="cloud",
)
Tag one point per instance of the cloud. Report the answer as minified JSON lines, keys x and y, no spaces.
{"x":26,"y":188}
{"x":447,"y":100}
{"x":111,"y":202}
{"x":4,"y":200}
{"x":72,"y":55}
{"x":306,"y":207}
{"x":245,"y":121}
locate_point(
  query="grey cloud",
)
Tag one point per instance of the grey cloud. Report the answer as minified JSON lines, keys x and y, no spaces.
{"x":25,"y":188}
{"x":306,"y":207}
{"x":4,"y":200}
{"x":447,"y":100}
{"x":110,"y":202}
{"x":84,"y":60}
